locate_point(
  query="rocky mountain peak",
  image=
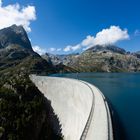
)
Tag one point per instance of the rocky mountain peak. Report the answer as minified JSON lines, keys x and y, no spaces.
{"x":13,"y":36}
{"x":107,"y":48}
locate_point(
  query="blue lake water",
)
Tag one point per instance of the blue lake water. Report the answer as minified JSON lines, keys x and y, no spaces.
{"x":123,"y":92}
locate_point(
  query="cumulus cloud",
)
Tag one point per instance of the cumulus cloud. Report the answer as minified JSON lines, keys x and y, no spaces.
{"x":67,"y":48}
{"x":59,"y":49}
{"x":54,"y":49}
{"x":76,"y":47}
{"x":105,"y":37}
{"x":15,"y":14}
{"x":88,"y":41}
{"x":111,"y":35}
{"x":42,"y":51}
{"x":72,"y":48}
{"x":39,"y":50}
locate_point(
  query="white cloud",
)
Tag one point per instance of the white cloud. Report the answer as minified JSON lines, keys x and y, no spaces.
{"x":137,"y":32}
{"x":58,"y":50}
{"x":89,"y":41}
{"x":67,"y":48}
{"x":42,"y":51}
{"x":106,"y":36}
{"x":0,"y":2}
{"x":52,"y":49}
{"x":111,"y":35}
{"x":15,"y":14}
{"x":39,"y":50}
{"x":76,"y":47}
{"x":72,"y":48}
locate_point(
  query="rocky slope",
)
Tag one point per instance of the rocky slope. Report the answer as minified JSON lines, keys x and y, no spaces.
{"x":106,"y":59}
{"x":60,"y":59}
{"x":137,"y":54}
{"x":14,"y":35}
{"x":16,"y":53}
{"x":101,"y":59}
{"x":60,"y":62}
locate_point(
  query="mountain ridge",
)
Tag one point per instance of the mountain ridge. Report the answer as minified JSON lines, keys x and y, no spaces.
{"x":14,"y":35}
{"x":99,"y":58}
{"x":17,"y":55}
{"x":111,"y":48}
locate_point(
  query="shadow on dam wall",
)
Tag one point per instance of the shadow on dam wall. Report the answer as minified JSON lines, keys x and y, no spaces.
{"x":118,"y":130}
{"x":51,"y":124}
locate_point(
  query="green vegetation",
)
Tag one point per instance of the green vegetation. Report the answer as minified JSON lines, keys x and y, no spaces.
{"x":24,"y":112}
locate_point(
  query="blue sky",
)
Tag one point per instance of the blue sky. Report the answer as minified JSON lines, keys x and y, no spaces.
{"x":62,"y":23}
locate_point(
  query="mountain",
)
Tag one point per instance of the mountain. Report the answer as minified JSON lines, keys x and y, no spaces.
{"x":137,"y":54}
{"x":100,"y":58}
{"x":107,"y":48}
{"x":60,"y":62}
{"x":106,"y":59}
{"x":16,"y":54}
{"x":60,"y":59}
{"x":14,"y":35}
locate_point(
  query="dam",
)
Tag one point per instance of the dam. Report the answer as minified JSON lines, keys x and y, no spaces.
{"x":82,"y":109}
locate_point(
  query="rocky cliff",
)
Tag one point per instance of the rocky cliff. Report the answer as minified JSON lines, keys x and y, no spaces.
{"x":16,"y":53}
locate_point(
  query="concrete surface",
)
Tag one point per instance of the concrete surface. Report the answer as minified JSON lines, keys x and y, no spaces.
{"x":101,"y":124}
{"x":80,"y":106}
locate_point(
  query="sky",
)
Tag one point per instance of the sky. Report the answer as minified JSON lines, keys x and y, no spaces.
{"x":71,"y":26}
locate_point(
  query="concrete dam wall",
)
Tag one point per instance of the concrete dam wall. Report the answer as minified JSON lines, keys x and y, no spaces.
{"x":80,"y":107}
